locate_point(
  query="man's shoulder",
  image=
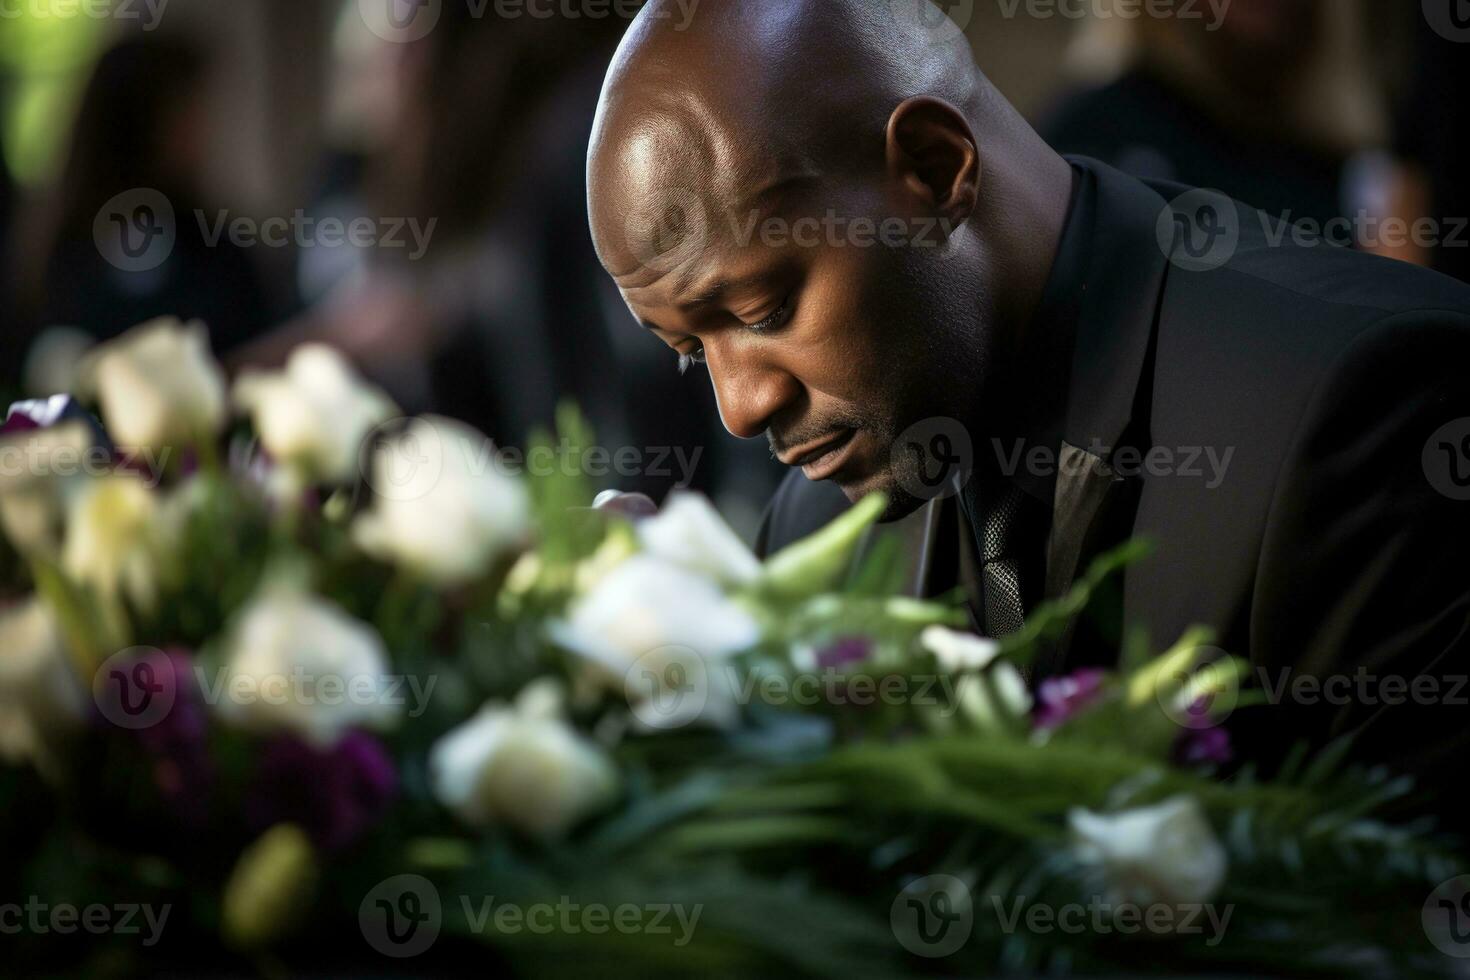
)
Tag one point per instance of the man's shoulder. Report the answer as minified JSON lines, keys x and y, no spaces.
{"x":1280,"y":316}
{"x":1339,"y":278}
{"x":1272,"y":270}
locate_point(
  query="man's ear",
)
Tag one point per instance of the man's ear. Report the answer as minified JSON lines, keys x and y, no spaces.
{"x":931,"y":153}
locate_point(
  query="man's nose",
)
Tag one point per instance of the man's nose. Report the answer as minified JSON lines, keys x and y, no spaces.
{"x":749,"y":389}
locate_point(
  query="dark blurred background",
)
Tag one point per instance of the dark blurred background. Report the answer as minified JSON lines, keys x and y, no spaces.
{"x":466,"y":147}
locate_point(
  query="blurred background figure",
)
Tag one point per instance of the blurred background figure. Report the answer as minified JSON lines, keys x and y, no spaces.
{"x":476,"y":135}
{"x":1268,"y":101}
{"x":1432,"y":140}
{"x":140,"y":132}
{"x":479,"y":295}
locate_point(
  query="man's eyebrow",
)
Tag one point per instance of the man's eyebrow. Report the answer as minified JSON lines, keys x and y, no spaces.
{"x":716,"y":290}
{"x":711,"y":293}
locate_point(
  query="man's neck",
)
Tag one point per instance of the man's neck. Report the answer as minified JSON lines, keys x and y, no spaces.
{"x":1026,"y":210}
{"x":1036,"y":205}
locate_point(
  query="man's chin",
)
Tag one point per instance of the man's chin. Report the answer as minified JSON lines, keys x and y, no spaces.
{"x":901,"y":503}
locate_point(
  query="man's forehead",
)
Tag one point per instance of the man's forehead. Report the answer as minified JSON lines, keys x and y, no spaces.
{"x":672,"y":194}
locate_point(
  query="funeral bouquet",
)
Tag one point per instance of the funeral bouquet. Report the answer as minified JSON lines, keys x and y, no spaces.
{"x":289,"y":683}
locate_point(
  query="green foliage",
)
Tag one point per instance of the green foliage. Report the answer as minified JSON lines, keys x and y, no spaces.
{"x":791,"y":836}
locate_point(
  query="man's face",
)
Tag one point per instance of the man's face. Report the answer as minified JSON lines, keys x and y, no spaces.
{"x":824,"y":318}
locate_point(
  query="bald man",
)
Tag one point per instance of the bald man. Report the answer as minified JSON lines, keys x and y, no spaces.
{"x":892,"y":278}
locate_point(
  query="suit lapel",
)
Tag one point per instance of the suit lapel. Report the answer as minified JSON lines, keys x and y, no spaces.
{"x":1108,"y":395}
{"x":1109,"y":390}
{"x":1083,"y":485}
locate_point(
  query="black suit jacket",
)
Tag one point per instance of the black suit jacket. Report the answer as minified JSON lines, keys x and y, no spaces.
{"x":1334,"y":547}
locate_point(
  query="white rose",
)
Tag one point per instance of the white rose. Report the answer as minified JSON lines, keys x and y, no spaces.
{"x":41,"y":698}
{"x":299,"y":664}
{"x":956,"y":651}
{"x":313,"y":416}
{"x":110,"y":542}
{"x":689,"y":532}
{"x":524,"y":766}
{"x":1166,"y":853}
{"x":158,"y":386}
{"x":441,"y":507}
{"x":649,"y":619}
{"x":41,"y":470}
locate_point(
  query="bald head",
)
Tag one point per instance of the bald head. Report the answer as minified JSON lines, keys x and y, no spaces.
{"x":723,"y":98}
{"x":791,"y":192}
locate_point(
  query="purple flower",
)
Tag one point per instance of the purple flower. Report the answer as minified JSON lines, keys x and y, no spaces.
{"x":17,"y":421}
{"x":1202,"y":743}
{"x":335,"y":794}
{"x":45,"y":413}
{"x":175,"y":743}
{"x":1207,"y":746}
{"x":1061,"y":699}
{"x":840,"y":653}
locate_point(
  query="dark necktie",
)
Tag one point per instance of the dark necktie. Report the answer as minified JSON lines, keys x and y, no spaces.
{"x":1001,"y":503}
